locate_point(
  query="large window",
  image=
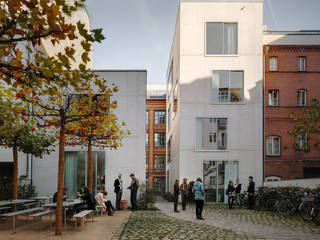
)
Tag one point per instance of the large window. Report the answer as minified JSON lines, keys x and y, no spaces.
{"x":273,"y":146}
{"x":211,"y":134}
{"x":221,"y":38}
{"x":76,"y":171}
{"x":227,"y":86}
{"x":159,"y":162}
{"x":273,"y":64}
{"x":273,"y":98}
{"x":147,"y":117}
{"x":160,"y":139}
{"x":302,"y":98}
{"x":301,"y":64}
{"x":160,"y":117}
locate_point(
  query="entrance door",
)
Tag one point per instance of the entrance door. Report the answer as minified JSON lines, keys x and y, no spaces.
{"x":216,"y":175}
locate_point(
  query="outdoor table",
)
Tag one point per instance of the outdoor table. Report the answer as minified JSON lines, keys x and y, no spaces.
{"x":18,"y":201}
{"x":66,"y":205}
{"x":43,"y":199}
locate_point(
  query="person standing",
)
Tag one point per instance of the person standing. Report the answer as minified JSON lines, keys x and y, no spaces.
{"x":118,"y":187}
{"x":251,"y":189}
{"x":230,"y":192}
{"x":198,"y":192}
{"x":176,"y":192}
{"x":238,"y":186}
{"x":134,"y":190}
{"x":184,"y":190}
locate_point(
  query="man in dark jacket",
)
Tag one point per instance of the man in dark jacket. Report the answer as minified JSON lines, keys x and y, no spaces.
{"x":251,"y":189}
{"x":134,"y":190}
{"x":184,"y":189}
{"x":176,"y":192}
{"x":118,"y":187}
{"x":230,"y":194}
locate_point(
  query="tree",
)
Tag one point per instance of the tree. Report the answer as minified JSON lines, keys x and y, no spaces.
{"x":307,"y":124}
{"x":47,"y":81}
{"x":101,"y":129}
{"x":21,"y":136}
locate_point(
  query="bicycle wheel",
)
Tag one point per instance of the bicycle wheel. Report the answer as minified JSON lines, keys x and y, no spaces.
{"x":270,"y":204}
{"x":316,"y":215}
{"x":305,"y":211}
{"x":284,"y":208}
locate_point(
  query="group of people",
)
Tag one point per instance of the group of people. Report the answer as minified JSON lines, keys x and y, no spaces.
{"x":232,"y":191}
{"x":183,"y":189}
{"x":89,"y":201}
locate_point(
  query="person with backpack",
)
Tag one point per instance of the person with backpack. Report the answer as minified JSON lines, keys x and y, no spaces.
{"x":198,"y":192}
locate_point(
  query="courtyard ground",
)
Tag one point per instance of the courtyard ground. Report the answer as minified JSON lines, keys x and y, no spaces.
{"x":219,"y":223}
{"x":102,"y":227}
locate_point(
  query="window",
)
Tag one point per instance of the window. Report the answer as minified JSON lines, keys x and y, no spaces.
{"x":159,"y":185}
{"x":175,"y":100}
{"x":169,"y":116}
{"x":273,"y":146}
{"x":159,"y":162}
{"x":311,"y":172}
{"x":211,"y":134}
{"x":227,"y":86}
{"x":302,"y":142}
{"x":273,"y":64}
{"x":170,"y":79}
{"x":160,"y":117}
{"x":147,"y":139}
{"x":301,"y":64}
{"x":147,"y":117}
{"x":302,"y":98}
{"x":221,"y":38}
{"x":273,"y":98}
{"x":160,"y":139}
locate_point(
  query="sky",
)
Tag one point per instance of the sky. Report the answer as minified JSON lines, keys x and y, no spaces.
{"x":139,"y":33}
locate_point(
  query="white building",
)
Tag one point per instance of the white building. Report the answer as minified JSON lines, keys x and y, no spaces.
{"x":108,"y":163}
{"x":214,"y":89}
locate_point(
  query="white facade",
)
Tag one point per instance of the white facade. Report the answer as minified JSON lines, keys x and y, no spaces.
{"x":193,"y":87}
{"x":130,"y":158}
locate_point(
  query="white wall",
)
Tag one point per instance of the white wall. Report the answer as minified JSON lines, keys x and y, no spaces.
{"x":307,"y":183}
{"x":244,"y":120}
{"x":128,"y":159}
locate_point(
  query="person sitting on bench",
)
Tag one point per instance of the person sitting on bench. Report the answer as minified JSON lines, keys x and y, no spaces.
{"x":104,"y":202}
{"x":89,"y":202}
{"x":65,"y":190}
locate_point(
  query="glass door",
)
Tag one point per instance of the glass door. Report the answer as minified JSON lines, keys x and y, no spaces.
{"x":216,"y":175}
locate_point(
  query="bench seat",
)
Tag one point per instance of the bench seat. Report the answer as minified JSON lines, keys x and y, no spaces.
{"x":81,"y":215}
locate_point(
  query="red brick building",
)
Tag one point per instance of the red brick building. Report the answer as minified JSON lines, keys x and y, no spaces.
{"x":292,"y":79}
{"x":156,"y":138}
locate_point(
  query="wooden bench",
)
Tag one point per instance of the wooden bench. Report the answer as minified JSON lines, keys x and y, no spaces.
{"x":17,"y":213}
{"x":39,"y":215}
{"x":81,"y":215}
{"x":32,"y":205}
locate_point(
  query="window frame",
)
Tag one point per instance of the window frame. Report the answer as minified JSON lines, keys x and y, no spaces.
{"x":305,"y":98}
{"x":305,"y":63}
{"x":273,"y":90}
{"x":164,"y":139}
{"x":276,"y":66}
{"x":211,"y":150}
{"x":155,"y":117}
{"x":154,"y":162}
{"x":220,"y":55}
{"x":229,"y":102}
{"x":272,"y":154}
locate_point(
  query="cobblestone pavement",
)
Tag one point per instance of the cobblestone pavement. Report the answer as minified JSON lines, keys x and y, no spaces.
{"x":157,"y":225}
{"x":219,"y":223}
{"x":262,"y":224}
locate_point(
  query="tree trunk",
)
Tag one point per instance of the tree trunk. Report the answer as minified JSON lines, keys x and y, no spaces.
{"x":90,"y":167}
{"x":15,"y":173}
{"x":59,"y":209}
